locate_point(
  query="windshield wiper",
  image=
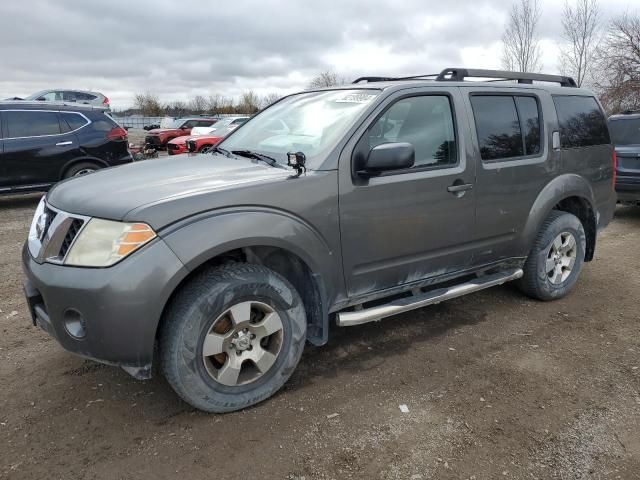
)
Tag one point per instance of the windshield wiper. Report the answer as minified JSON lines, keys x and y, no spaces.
{"x":258,"y":156}
{"x":224,"y":152}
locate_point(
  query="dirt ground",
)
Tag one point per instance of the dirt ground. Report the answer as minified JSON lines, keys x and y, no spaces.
{"x":497,"y":386}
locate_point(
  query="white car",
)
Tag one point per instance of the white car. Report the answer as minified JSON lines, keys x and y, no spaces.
{"x":232,"y":122}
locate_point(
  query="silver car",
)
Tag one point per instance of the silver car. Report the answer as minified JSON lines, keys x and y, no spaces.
{"x":76,"y":96}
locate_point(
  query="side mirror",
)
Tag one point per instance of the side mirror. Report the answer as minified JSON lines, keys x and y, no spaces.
{"x":388,"y":156}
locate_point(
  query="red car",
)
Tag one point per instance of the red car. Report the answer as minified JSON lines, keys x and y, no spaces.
{"x":178,"y":145}
{"x":159,"y":137}
{"x":199,"y":143}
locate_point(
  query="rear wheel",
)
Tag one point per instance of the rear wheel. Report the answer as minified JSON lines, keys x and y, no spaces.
{"x":79,"y":169}
{"x":556,"y":259}
{"x":232,"y":337}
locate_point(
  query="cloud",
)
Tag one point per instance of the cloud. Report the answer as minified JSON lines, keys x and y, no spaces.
{"x":179,"y":49}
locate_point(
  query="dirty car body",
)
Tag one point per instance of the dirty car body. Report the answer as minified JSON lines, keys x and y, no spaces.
{"x":348,"y":233}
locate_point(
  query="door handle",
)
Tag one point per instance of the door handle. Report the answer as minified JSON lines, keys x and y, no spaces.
{"x":457,"y":188}
{"x":62,"y":144}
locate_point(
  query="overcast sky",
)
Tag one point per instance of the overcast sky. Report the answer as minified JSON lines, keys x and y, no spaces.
{"x":178,"y":49}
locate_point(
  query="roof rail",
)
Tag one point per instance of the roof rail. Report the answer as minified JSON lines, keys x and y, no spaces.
{"x":393,"y":79}
{"x":459,"y":75}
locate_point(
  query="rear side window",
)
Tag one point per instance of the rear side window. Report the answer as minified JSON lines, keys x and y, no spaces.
{"x":426,"y":122}
{"x":507,"y":126}
{"x":31,"y":123}
{"x":582,"y":123}
{"x":72,"y":120}
{"x":625,"y":131}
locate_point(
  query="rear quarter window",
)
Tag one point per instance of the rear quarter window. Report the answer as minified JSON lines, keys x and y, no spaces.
{"x":582,"y":123}
{"x":73,"y":121}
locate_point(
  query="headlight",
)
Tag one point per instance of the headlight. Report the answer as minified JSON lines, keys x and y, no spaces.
{"x":102,"y":243}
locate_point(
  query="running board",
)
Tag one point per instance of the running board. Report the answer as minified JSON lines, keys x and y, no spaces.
{"x":373,"y":314}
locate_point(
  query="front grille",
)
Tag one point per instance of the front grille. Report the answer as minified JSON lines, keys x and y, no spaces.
{"x":172,"y":146}
{"x":72,"y":233}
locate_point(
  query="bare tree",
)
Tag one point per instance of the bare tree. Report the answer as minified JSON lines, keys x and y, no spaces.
{"x":328,"y":78}
{"x":619,"y":65}
{"x":249,"y":103}
{"x":198,"y":105}
{"x":177,"y":108}
{"x":269,"y":98}
{"x":148,"y":104}
{"x":580,"y":25}
{"x":521,"y":49}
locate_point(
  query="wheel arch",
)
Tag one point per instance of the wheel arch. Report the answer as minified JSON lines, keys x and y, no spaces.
{"x":569,"y":193}
{"x":86,"y":159}
{"x":287,"y":246}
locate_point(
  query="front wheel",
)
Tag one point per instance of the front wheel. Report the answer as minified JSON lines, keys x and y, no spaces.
{"x":556,"y":259}
{"x":232,"y":337}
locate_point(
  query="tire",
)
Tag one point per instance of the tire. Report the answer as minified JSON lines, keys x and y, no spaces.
{"x":205,"y":148}
{"x":550,"y":274}
{"x":202,"y":311}
{"x":82,"y":168}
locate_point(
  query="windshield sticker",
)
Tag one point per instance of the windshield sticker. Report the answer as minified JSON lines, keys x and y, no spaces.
{"x":356,"y":98}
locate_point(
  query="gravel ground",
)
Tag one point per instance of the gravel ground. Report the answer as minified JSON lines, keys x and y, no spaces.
{"x":496,"y":386}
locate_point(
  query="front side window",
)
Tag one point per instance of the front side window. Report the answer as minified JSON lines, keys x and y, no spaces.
{"x":426,"y":122}
{"x":625,"y":131}
{"x":582,"y":123}
{"x":311,"y":122}
{"x":31,"y":123}
{"x":51,"y":97}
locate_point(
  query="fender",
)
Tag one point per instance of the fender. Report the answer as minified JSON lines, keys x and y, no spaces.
{"x":200,"y":238}
{"x":558,"y":189}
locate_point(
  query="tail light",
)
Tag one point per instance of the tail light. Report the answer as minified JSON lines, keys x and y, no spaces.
{"x":117,"y":133}
{"x":105,"y":101}
{"x":615,"y":167}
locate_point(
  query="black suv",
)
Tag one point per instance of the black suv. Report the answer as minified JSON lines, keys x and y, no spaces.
{"x":625,"y":135}
{"x":42,"y":144}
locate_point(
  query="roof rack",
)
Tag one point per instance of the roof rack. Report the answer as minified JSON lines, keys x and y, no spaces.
{"x":393,"y":79}
{"x":459,"y":75}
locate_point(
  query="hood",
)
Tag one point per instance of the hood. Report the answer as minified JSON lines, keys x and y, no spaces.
{"x":114,"y":192}
{"x":160,"y":131}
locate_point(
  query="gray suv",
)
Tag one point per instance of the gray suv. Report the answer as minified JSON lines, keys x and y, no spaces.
{"x":368,"y":200}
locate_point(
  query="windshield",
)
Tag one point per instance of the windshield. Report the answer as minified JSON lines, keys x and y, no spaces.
{"x":311,"y":123}
{"x":625,"y":131}
{"x":174,"y":123}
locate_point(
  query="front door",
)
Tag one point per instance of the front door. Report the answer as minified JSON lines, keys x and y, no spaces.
{"x":408,"y":225}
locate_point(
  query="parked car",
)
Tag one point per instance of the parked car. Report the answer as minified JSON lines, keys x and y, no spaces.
{"x":43,"y":144}
{"x":625,"y":134}
{"x":71,"y":96}
{"x":182,"y":126}
{"x":223,"y":123}
{"x":382,"y":197}
{"x":202,"y":143}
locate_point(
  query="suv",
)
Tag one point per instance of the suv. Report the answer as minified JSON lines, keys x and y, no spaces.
{"x":625,"y":135}
{"x":378,"y":198}
{"x":159,"y":137}
{"x":43,"y":144}
{"x":78,"y":96}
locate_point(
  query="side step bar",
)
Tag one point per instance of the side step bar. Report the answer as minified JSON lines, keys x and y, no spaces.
{"x":348,"y":319}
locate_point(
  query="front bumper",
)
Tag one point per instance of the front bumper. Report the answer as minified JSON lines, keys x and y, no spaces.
{"x":120,"y":306}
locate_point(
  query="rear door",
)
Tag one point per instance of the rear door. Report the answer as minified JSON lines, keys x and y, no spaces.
{"x":515,"y":162}
{"x":35,"y":147}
